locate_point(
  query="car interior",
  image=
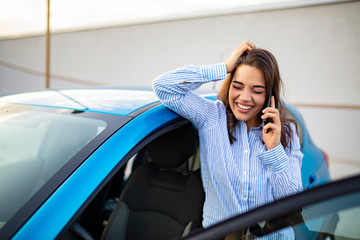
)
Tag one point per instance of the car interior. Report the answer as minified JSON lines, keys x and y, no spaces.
{"x":161,"y":199}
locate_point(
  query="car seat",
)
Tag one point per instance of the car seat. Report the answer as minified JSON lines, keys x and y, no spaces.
{"x":162,"y":199}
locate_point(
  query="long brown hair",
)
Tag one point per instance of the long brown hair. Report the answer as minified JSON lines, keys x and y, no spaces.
{"x":266,"y":62}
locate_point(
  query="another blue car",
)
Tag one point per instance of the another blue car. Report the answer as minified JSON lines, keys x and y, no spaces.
{"x":106,"y":163}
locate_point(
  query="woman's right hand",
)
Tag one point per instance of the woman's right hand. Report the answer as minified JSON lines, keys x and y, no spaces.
{"x":234,"y":56}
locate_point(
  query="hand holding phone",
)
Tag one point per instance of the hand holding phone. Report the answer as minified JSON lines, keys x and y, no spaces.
{"x":271,"y":132}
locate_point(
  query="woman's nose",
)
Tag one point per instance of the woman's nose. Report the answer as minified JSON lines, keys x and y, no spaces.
{"x":245,"y":96}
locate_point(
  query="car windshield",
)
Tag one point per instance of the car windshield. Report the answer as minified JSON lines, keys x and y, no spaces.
{"x":34,"y":144}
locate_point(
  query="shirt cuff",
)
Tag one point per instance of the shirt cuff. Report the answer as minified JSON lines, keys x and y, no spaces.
{"x":213,"y":72}
{"x":275,"y":159}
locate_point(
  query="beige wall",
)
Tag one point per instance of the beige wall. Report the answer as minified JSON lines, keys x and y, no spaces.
{"x":317,"y":48}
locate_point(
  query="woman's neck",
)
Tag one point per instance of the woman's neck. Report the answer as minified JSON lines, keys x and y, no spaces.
{"x":255,"y":122}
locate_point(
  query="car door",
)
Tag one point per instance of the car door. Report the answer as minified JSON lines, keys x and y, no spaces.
{"x":330,"y":211}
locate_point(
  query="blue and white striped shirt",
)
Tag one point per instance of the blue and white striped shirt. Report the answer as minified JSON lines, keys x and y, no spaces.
{"x":236,"y":177}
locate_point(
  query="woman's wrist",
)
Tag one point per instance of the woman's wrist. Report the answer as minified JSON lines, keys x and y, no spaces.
{"x":213,"y":72}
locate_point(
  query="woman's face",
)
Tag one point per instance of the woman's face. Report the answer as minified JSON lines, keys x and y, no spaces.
{"x":247,"y":94}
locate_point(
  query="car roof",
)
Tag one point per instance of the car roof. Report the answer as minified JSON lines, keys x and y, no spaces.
{"x":111,"y":101}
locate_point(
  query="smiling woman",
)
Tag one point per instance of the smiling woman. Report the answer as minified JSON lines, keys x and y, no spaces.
{"x":244,"y":163}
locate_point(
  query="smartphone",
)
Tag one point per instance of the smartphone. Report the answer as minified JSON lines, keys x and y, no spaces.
{"x":266,"y":121}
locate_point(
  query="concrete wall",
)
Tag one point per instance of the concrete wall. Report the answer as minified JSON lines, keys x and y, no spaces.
{"x":317,"y":49}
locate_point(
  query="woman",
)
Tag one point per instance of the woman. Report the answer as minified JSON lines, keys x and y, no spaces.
{"x":244,"y":164}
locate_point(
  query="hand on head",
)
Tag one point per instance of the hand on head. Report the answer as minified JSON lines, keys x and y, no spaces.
{"x":234,"y":56}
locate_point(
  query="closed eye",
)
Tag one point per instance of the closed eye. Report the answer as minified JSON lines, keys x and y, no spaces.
{"x":259,"y":89}
{"x":237,"y":87}
{"x":258,"y":92}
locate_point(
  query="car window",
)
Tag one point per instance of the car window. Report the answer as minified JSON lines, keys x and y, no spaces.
{"x":34,"y":145}
{"x":337,"y":218}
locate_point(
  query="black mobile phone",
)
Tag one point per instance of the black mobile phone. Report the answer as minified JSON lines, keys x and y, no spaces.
{"x":266,"y":121}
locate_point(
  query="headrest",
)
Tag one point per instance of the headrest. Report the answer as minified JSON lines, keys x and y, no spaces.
{"x":172,"y":149}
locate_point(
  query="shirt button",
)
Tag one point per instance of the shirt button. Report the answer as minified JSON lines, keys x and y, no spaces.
{"x":269,"y":168}
{"x":246,"y":151}
{"x":244,"y":196}
{"x":244,"y":172}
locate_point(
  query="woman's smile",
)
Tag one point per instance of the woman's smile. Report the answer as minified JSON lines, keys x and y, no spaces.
{"x":244,"y":107}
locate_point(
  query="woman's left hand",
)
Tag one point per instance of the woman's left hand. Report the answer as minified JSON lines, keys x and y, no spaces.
{"x":272,"y":130}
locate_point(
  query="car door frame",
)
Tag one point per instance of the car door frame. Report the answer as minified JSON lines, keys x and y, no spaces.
{"x":278,"y":208}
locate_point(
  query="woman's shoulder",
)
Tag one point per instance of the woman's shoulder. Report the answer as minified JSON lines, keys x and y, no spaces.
{"x":215,"y":114}
{"x":221,"y":107}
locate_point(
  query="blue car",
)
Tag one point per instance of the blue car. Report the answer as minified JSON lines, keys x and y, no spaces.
{"x":108,"y":164}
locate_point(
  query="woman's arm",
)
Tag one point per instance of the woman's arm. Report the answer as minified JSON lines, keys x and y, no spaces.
{"x":174,"y":89}
{"x":285,"y":167}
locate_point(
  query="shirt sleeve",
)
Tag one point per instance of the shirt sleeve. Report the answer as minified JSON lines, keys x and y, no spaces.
{"x":174,"y":89}
{"x":284,"y":167}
